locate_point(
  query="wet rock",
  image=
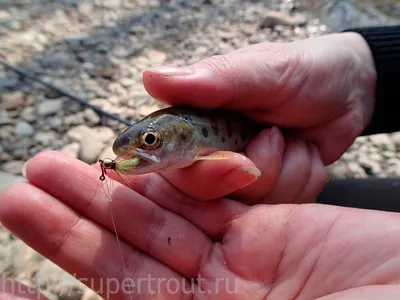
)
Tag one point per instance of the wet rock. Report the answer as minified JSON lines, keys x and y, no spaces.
{"x":24,"y":129}
{"x":13,"y":167}
{"x":49,"y":107}
{"x":12,"y":100}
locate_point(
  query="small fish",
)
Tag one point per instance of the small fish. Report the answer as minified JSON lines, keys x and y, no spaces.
{"x":177,"y":137}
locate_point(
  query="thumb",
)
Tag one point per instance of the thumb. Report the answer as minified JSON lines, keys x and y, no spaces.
{"x":245,"y":79}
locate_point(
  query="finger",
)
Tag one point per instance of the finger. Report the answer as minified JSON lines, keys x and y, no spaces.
{"x":332,"y":146}
{"x":212,"y":217}
{"x":316,"y":180}
{"x":370,"y":292}
{"x":146,"y":226}
{"x":211,"y":179}
{"x":296,"y":171}
{"x":78,"y":245}
{"x":266,"y":151}
{"x":229,"y":81}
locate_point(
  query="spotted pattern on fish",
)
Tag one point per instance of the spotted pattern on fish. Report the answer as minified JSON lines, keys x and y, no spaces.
{"x":228,"y":126}
{"x":204,"y":131}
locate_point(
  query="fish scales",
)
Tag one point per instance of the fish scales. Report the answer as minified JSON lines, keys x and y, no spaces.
{"x":176,"y":137}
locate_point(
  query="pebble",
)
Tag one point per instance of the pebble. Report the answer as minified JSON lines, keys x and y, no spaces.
{"x":75,"y":119}
{"x":90,"y":148}
{"x":383,"y":141}
{"x":12,"y":100}
{"x":105,"y":67}
{"x":45,"y":138}
{"x":156,"y":56}
{"x":54,"y":122}
{"x":3,"y":117}
{"x":91,"y":117}
{"x":77,"y":132}
{"x":26,"y":261}
{"x":13,"y":167}
{"x":28,"y":114}
{"x":276,"y":18}
{"x":371,"y":167}
{"x":396,"y":139}
{"x":24,"y":129}
{"x":71,"y":149}
{"x":4,"y":15}
{"x":49,"y":107}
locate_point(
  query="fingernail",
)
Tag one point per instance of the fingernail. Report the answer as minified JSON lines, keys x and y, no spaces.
{"x":24,"y":168}
{"x":277,"y":140}
{"x":171,"y":71}
{"x":251,"y":170}
{"x":240,"y":177}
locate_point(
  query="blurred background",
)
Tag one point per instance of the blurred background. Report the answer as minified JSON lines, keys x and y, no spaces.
{"x":97,"y":50}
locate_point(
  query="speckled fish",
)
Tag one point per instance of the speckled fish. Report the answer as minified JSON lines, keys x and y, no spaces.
{"x":176,"y":137}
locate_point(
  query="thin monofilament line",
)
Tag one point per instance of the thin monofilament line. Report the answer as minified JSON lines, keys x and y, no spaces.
{"x":119,"y":245}
{"x":108,"y":195}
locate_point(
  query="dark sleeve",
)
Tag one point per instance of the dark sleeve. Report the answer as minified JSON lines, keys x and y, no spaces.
{"x":384,"y":42}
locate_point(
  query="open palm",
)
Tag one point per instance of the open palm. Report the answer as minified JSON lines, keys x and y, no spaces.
{"x":175,"y":247}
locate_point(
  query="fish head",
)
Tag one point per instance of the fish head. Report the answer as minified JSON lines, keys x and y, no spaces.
{"x":160,"y":141}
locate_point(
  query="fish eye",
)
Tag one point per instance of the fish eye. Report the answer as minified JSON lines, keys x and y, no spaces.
{"x":150,"y":139}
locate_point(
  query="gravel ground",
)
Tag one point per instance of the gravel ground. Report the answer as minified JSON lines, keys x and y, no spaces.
{"x":97,"y":50}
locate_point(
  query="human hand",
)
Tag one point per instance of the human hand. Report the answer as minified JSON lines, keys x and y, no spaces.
{"x":285,"y":251}
{"x":320,"y":90}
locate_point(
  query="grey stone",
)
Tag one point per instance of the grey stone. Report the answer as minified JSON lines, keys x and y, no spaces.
{"x":45,"y":138}
{"x":12,"y":100}
{"x":91,"y":117}
{"x":383,"y":141}
{"x":13,"y":167}
{"x":3,"y":117}
{"x":24,"y":129}
{"x":7,"y":179}
{"x":49,"y":107}
{"x":90,"y":148}
{"x":71,"y":149}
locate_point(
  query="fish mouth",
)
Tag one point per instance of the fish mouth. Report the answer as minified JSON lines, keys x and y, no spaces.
{"x":140,"y":153}
{"x":145,"y":156}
